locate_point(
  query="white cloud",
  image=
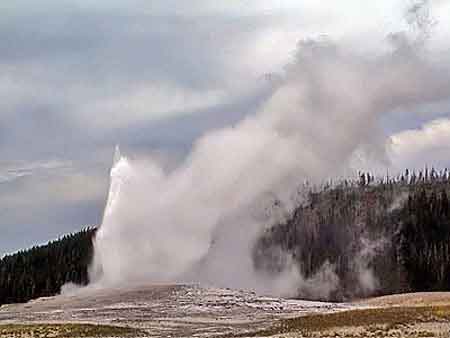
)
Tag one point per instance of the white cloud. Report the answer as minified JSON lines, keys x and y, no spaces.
{"x":428,"y":145}
{"x":146,"y":103}
{"x":45,"y":182}
{"x":11,"y":171}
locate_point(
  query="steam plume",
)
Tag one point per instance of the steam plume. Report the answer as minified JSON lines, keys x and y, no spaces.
{"x":199,"y":221}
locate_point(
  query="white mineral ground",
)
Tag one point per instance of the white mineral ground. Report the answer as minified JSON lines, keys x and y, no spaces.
{"x":166,"y":310}
{"x":181,"y":310}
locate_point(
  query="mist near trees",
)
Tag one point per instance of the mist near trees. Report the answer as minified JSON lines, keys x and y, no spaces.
{"x":366,"y":237}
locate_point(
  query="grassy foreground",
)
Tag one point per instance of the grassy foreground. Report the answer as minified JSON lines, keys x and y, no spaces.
{"x":66,"y":331}
{"x":424,"y":321}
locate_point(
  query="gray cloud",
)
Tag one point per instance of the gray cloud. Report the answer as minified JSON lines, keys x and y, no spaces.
{"x":68,"y":82}
{"x":43,"y":200}
{"x":83,"y":70}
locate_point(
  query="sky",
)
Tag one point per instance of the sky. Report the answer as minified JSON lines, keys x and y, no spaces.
{"x":78,"y":77}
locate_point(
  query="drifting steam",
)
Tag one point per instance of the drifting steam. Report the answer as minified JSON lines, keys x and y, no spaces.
{"x":199,"y":222}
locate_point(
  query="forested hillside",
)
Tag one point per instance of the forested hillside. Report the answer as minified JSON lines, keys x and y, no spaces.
{"x":367,"y":237}
{"x":42,"y":270}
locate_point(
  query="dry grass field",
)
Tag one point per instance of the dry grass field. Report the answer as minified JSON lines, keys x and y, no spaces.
{"x":415,"y":315}
{"x":67,"y":331}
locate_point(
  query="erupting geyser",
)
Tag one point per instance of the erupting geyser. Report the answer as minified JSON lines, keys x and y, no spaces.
{"x":198,"y":222}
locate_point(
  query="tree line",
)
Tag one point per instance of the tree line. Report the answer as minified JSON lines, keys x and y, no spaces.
{"x":42,"y":270}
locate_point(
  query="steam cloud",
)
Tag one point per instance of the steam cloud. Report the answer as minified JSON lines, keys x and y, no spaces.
{"x":198,"y":222}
